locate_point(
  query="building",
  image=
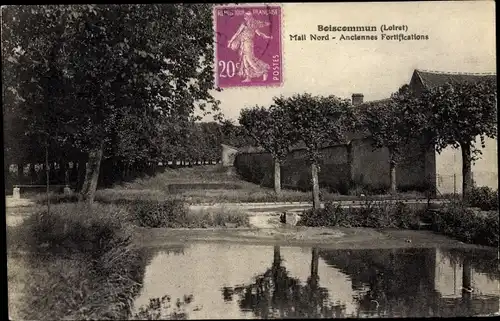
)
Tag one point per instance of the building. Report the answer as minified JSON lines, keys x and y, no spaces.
{"x":448,"y":163}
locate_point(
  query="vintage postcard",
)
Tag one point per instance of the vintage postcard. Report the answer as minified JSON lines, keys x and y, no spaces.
{"x":251,"y":160}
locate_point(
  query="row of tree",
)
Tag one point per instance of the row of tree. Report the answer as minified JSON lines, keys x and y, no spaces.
{"x":454,"y":114}
{"x":198,"y":144}
{"x":83,"y":83}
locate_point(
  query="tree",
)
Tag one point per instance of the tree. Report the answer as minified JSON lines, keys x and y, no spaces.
{"x":461,"y":112}
{"x":108,"y":67}
{"x":317,"y":121}
{"x":234,"y":135}
{"x":213,"y":138}
{"x":270,"y":128}
{"x":392,"y":123}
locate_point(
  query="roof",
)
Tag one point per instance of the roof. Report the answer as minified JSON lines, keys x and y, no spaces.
{"x":431,"y":79}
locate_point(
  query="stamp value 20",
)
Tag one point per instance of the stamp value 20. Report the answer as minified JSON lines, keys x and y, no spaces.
{"x":248,"y":48}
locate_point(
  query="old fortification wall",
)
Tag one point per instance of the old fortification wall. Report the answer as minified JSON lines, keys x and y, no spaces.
{"x":343,"y":167}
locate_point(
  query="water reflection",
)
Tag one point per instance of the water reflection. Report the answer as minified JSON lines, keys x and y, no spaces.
{"x":403,"y":283}
{"x":247,"y":281}
{"x":275,"y":293}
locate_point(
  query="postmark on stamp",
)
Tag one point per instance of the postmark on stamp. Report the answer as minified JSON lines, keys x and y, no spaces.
{"x":248,"y":46}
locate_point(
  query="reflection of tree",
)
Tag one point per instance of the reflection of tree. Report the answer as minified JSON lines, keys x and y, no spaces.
{"x":482,"y":261}
{"x":276,"y":294}
{"x":401,"y":283}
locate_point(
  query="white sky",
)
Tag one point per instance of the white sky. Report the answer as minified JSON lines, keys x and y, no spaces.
{"x":461,"y":39}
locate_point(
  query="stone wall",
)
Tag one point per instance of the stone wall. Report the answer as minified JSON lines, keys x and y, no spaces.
{"x":342,"y":167}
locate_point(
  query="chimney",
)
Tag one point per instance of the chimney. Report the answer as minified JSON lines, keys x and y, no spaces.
{"x":357,"y":99}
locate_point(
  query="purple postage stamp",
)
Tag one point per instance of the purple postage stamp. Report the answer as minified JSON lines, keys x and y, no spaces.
{"x":248,"y":48}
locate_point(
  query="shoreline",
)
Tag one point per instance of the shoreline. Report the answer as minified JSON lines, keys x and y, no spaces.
{"x":338,"y":238}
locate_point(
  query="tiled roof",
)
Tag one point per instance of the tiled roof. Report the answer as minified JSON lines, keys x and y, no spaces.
{"x":431,"y":79}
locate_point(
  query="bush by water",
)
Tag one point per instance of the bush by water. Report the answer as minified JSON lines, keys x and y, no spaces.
{"x":458,"y":221}
{"x":371,"y":214}
{"x":454,"y":219}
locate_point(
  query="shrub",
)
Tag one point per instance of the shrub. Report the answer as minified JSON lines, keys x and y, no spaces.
{"x":484,"y":197}
{"x":77,"y":227}
{"x":167,"y":213}
{"x":370,"y":214}
{"x":467,"y":225}
{"x":175,"y":214}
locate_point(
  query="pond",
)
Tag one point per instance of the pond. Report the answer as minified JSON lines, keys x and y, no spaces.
{"x":242,"y":281}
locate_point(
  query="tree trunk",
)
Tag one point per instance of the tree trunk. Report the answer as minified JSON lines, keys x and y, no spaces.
{"x":466,"y":280}
{"x":61,"y":173}
{"x":92,"y":175}
{"x":392,"y":171}
{"x":315,"y":183}
{"x":74,"y":172}
{"x":33,"y":175}
{"x":277,"y":257}
{"x":277,"y":176}
{"x":314,"y":267}
{"x":81,"y":173}
{"x":20,"y":173}
{"x":466,"y":171}
{"x":66,"y":173}
{"x":47,"y":175}
{"x":42,"y":176}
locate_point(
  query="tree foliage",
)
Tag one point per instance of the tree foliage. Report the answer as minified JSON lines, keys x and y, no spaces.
{"x":393,"y":123}
{"x":461,"y":112}
{"x":270,"y":128}
{"x":317,"y":121}
{"x":124,"y":77}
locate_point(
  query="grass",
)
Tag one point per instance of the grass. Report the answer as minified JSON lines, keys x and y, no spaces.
{"x":160,"y":212}
{"x":209,"y":184}
{"x":219,"y":217}
{"x":79,"y":263}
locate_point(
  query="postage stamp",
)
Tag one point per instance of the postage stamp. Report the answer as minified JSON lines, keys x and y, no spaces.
{"x":248,"y":46}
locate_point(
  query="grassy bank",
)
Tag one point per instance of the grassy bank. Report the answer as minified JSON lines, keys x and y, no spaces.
{"x":78,"y":263}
